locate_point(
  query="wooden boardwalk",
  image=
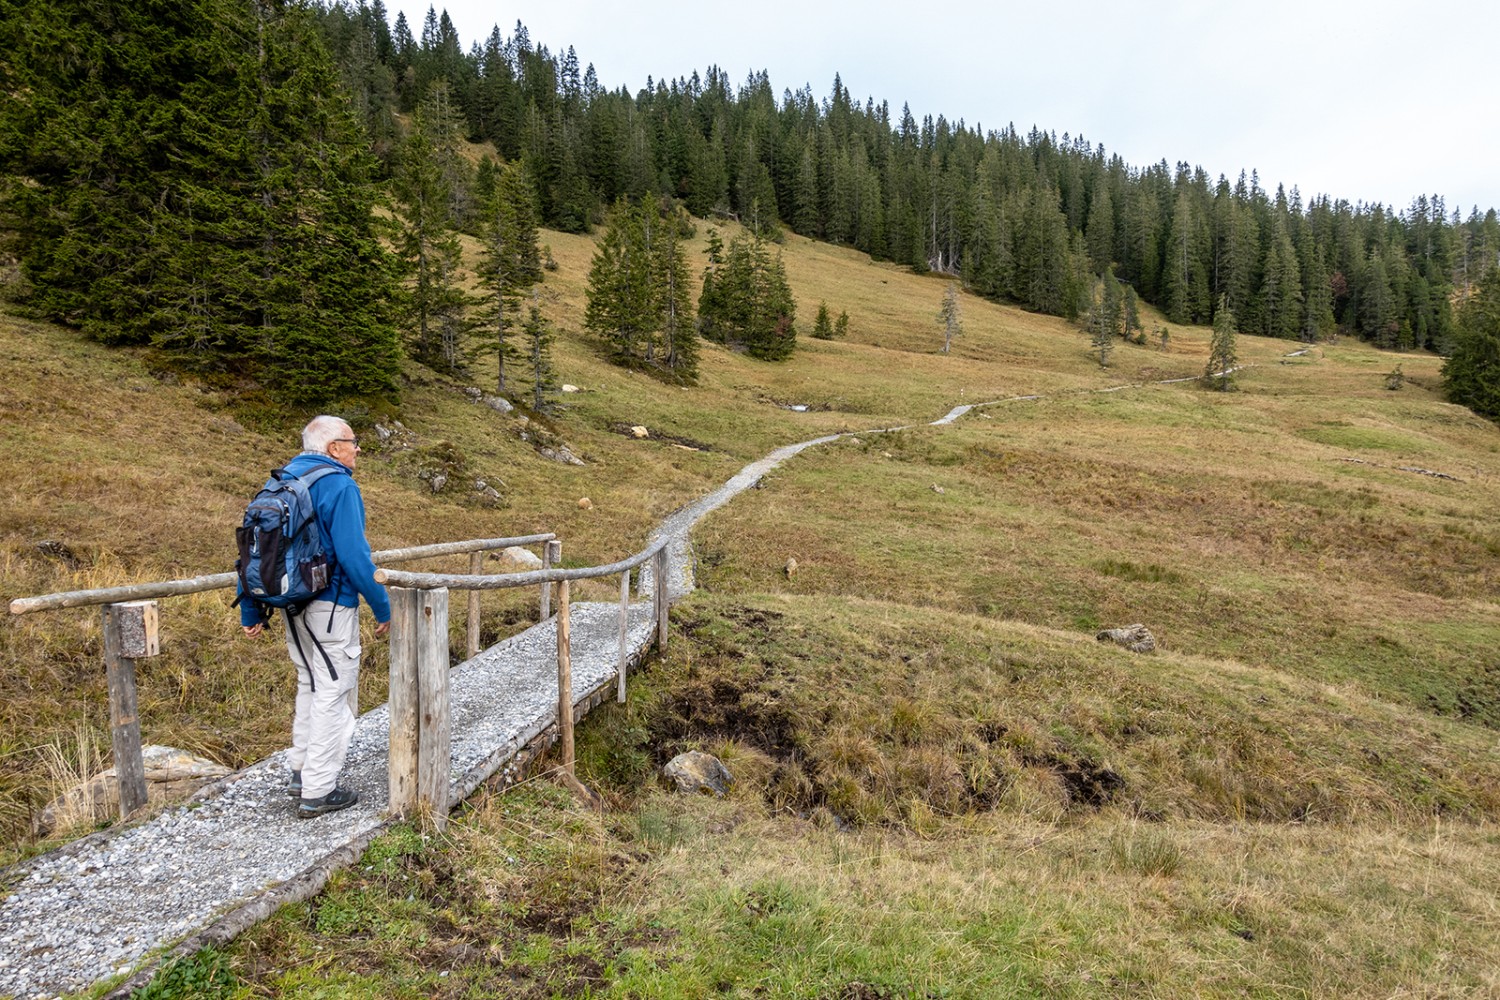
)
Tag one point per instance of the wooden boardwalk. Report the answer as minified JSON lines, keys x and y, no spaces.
{"x":114,"y":903}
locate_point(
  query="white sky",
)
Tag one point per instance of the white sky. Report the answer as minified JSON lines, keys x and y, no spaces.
{"x":1370,"y":100}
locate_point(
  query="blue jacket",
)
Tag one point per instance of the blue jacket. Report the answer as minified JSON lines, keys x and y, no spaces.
{"x":341,"y":523}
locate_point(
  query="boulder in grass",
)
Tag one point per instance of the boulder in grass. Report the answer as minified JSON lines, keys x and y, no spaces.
{"x":171,"y":776}
{"x":518,"y":560}
{"x":697,"y":772}
{"x":1136,"y":638}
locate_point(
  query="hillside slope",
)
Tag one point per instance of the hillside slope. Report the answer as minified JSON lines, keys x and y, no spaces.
{"x":920,"y":702}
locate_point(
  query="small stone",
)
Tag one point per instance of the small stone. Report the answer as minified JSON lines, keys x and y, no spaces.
{"x":570,"y":388}
{"x":886,"y":454}
{"x":937,"y":489}
{"x":584,"y":503}
{"x":498,"y":404}
{"x":438,"y":481}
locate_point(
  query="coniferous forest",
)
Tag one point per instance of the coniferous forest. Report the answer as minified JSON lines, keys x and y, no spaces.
{"x":201,"y":176}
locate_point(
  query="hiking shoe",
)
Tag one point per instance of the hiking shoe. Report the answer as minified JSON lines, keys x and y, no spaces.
{"x":294,"y":787}
{"x":339,"y":798}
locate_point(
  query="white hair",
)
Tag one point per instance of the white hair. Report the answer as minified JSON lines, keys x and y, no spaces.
{"x":321,"y":431}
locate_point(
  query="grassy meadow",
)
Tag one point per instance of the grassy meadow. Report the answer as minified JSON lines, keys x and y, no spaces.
{"x":945,"y":786}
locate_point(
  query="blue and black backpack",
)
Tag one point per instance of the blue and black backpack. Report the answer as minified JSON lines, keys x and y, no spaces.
{"x":282,"y":563}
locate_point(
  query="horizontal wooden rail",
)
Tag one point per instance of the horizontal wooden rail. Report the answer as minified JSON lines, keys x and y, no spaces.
{"x":198,"y":584}
{"x":457,"y":581}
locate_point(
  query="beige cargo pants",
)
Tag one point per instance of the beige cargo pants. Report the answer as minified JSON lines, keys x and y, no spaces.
{"x":323,"y":642}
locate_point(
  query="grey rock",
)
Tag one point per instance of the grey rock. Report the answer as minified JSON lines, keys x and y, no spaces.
{"x":695,"y":771}
{"x":562,"y":454}
{"x":1136,"y":638}
{"x":498,"y":403}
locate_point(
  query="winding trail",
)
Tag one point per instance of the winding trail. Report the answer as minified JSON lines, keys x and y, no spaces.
{"x":116,"y":903}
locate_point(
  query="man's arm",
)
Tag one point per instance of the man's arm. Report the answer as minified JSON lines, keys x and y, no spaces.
{"x":351,"y":549}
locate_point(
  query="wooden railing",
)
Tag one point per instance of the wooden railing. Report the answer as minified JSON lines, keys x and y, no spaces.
{"x":421,"y":733}
{"x":130,"y":633}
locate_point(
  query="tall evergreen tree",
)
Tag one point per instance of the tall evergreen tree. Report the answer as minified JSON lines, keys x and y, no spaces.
{"x":511,"y":262}
{"x":1219,"y":372}
{"x":538,"y":334}
{"x":1471,"y":375}
{"x":436,"y":305}
{"x":949,"y":316}
{"x":191,"y":176}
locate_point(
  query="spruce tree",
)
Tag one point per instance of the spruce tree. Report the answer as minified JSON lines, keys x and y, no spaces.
{"x":191,"y":176}
{"x":1471,"y":375}
{"x":1219,"y":372}
{"x":823,"y":326}
{"x":841,"y":328}
{"x":949,"y":317}
{"x":671,"y":288}
{"x":436,"y":305}
{"x":511,"y":262}
{"x":538,"y":335}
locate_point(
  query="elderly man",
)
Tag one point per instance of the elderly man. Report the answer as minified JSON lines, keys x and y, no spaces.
{"x":323,"y":640}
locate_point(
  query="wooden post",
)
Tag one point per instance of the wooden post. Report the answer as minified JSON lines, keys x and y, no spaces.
{"x":476,"y":566}
{"x":551,"y":556}
{"x":564,"y":678}
{"x":402,"y":769}
{"x":624,"y":628}
{"x":434,"y":737}
{"x":124,"y":723}
{"x":659,"y":596}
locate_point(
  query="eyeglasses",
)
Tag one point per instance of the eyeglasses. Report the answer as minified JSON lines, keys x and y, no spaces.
{"x":354,"y":441}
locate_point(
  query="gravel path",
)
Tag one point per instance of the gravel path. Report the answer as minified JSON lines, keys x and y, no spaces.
{"x":115,"y":902}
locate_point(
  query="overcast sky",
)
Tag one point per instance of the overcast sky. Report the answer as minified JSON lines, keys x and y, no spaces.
{"x":1368,"y":100}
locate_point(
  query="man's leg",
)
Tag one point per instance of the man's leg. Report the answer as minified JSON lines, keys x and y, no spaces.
{"x":334,"y":699}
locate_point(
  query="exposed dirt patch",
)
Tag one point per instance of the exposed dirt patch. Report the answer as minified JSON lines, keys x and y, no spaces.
{"x":655,"y":434}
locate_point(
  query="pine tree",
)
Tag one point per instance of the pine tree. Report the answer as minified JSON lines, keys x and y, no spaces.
{"x":436,"y":304}
{"x":511,"y":262}
{"x":823,"y":326}
{"x":671,"y":287}
{"x":619,"y":286}
{"x":1133,"y":330}
{"x":538,"y":335}
{"x":192,"y":177}
{"x":841,"y":328}
{"x":746,"y":302}
{"x":639,"y":291}
{"x":949,"y":317}
{"x":1219,"y":372}
{"x":1471,"y":375}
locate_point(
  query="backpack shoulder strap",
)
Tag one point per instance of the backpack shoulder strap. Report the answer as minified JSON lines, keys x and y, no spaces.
{"x":318,"y":473}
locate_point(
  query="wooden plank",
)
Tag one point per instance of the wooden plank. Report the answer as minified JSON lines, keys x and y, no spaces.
{"x":476,"y":566}
{"x":564,"y":677}
{"x":659,"y":593}
{"x":434,"y":736}
{"x":124,"y":722}
{"x":623,"y":657}
{"x":402,"y":770}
